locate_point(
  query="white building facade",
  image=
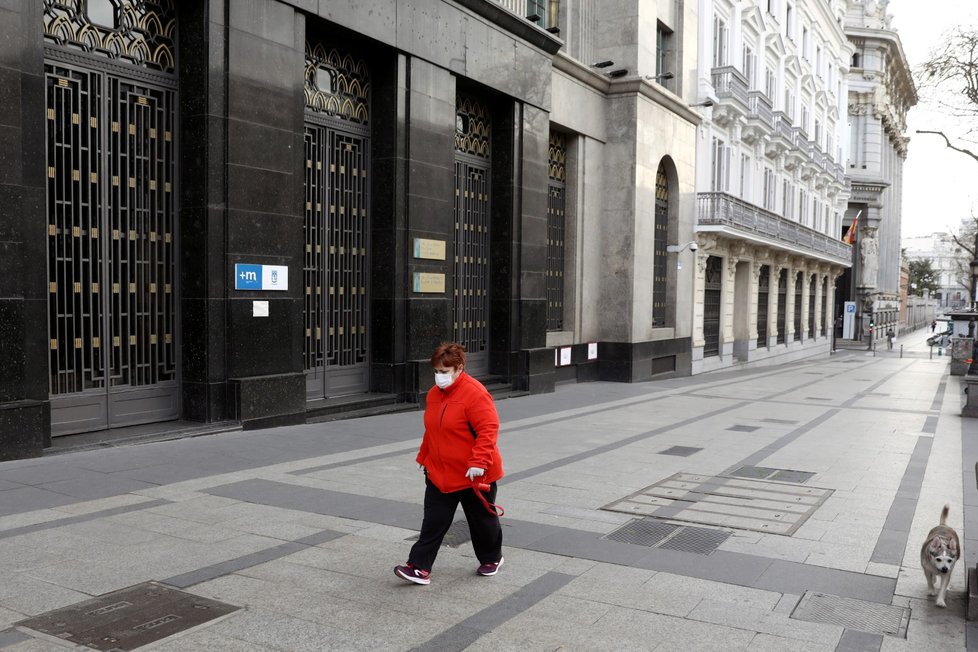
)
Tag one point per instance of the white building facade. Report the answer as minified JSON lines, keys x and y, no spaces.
{"x":949,"y":260}
{"x":770,"y":179}
{"x":880,"y":92}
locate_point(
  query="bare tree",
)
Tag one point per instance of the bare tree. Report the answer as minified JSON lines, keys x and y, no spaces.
{"x":966,"y":240}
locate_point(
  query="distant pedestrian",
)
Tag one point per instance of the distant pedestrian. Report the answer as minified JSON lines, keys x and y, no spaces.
{"x":933,"y":326}
{"x":458,"y":454}
{"x":889,"y":338}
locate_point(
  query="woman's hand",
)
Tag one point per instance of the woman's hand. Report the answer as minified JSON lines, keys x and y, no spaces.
{"x":474,"y":472}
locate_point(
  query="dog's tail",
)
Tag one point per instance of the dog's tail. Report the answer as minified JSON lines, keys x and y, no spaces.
{"x":944,"y":514}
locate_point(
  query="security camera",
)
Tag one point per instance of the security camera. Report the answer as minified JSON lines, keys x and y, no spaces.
{"x":693,"y":246}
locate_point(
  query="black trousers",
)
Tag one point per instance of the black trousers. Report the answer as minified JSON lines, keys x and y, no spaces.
{"x":439,"y":510}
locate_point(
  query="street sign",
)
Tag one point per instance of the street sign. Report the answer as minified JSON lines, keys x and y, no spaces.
{"x":261,"y":277}
{"x":849,"y":320}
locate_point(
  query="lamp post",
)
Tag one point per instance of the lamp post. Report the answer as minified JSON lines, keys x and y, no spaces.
{"x":974,"y":276}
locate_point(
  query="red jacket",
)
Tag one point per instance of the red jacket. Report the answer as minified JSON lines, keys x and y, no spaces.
{"x":461,"y":427}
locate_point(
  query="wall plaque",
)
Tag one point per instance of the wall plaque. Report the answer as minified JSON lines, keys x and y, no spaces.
{"x":427,"y":282}
{"x":429,"y":249}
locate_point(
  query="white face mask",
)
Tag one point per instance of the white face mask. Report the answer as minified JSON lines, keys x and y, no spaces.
{"x":444,"y":380}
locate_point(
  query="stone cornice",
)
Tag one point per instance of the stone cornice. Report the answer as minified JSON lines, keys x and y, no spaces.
{"x":516,"y":25}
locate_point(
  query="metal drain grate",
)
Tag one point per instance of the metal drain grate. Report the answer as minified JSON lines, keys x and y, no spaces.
{"x":744,"y":428}
{"x":766,"y":473}
{"x":681,"y":451}
{"x":698,"y":540}
{"x":798,"y":477}
{"x":457,"y":534}
{"x":642,"y":532}
{"x":788,"y":422}
{"x":817,"y":398}
{"x":759,"y":472}
{"x":742,"y":503}
{"x":851,"y":613}
{"x":129,"y":618}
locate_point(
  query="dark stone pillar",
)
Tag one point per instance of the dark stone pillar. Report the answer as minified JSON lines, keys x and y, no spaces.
{"x":430,"y":209}
{"x":264,"y":216}
{"x":25,"y":419}
{"x":203,"y":245}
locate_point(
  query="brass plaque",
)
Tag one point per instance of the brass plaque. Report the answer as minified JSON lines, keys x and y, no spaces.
{"x":427,"y":282}
{"x":429,"y":249}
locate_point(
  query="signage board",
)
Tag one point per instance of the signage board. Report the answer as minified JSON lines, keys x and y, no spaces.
{"x":425,"y":282}
{"x":429,"y":249}
{"x":849,"y":321}
{"x":261,"y":277}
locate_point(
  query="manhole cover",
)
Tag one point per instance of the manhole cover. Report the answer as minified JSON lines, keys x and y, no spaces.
{"x":792,"y":476}
{"x":851,"y":613}
{"x":766,"y":473}
{"x":643,"y":532}
{"x":457,"y":534}
{"x":759,"y":472}
{"x":681,"y":451}
{"x":727,"y":502}
{"x":129,"y":618}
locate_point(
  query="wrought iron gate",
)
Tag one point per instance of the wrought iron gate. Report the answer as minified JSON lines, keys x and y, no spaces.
{"x":472,"y":236}
{"x":556,"y":200}
{"x":799,"y":283}
{"x":782,"y":305}
{"x":660,"y":242}
{"x":111,"y":206}
{"x":811,"y":308}
{"x":712,"y":292}
{"x":335,"y":272}
{"x":763,"y":292}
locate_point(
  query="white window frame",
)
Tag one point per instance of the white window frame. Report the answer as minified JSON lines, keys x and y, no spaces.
{"x":721,"y":38}
{"x":720,"y":166}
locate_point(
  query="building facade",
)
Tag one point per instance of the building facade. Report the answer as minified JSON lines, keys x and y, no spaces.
{"x":256,"y":212}
{"x":770,"y":180}
{"x":880,"y":92}
{"x":949,"y":260}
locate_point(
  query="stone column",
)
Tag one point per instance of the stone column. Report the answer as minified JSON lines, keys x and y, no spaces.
{"x":789,"y":307}
{"x":755,"y":275}
{"x":805,"y":292}
{"x":773,"y":328}
{"x":819,"y":332}
{"x":729,"y":296}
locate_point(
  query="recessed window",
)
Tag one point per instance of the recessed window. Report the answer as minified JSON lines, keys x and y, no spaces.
{"x":324,"y":79}
{"x":462,"y":123}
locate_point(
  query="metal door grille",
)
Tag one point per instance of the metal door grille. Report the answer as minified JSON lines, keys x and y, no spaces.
{"x":472,"y":217}
{"x":335,"y":270}
{"x":799,"y":282}
{"x":660,"y":242}
{"x":712,"y":306}
{"x":811,"y":308}
{"x":782,"y":305}
{"x":763,"y":292}
{"x":556,"y":231}
{"x":471,"y":305}
{"x":110,"y":152}
{"x":825,"y":295}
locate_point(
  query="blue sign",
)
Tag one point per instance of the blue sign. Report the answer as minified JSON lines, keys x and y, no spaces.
{"x":247,"y":277}
{"x":850,"y":307}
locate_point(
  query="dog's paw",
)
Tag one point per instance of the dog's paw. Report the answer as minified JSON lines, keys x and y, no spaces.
{"x":932,"y":591}
{"x":940,"y":603}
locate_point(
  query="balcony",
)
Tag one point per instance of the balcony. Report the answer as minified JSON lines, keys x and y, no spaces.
{"x":781,"y":139}
{"x":720,"y":212}
{"x":760,"y":117}
{"x":731,"y":89}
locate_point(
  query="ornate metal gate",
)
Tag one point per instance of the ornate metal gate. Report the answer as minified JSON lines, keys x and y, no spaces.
{"x":782,"y":305}
{"x":472,"y":237}
{"x":659,"y":254}
{"x":111,"y":205}
{"x":799,"y":283}
{"x":712,"y":292}
{"x":811,"y":308}
{"x":336,"y":354}
{"x":763,"y":292}
{"x":556,"y":190}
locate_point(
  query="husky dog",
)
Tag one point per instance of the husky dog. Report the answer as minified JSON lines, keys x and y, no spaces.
{"x":937,"y":557}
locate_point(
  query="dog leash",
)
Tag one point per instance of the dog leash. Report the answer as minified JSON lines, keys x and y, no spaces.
{"x":479,"y":488}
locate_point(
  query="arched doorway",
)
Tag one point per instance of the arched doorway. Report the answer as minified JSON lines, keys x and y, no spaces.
{"x":337,"y":233}
{"x":111,"y":152}
{"x":470,"y":309}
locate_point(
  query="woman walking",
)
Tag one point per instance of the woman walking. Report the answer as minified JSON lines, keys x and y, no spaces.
{"x":458,"y":452}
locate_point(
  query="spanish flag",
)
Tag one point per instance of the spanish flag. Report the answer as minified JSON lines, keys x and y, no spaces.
{"x":851,"y":233}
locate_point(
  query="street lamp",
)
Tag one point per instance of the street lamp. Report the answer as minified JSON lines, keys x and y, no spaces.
{"x":974,"y":276}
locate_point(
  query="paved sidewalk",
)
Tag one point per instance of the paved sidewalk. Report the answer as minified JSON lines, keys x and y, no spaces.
{"x":776,"y":508}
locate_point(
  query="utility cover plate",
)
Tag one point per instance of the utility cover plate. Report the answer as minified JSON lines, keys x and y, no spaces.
{"x":129,"y":618}
{"x":851,"y":613}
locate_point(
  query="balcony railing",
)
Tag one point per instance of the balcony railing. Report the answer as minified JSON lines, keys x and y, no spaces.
{"x":729,"y":83}
{"x":523,"y":8}
{"x":782,"y":126}
{"x":759,"y":107}
{"x":721,"y":209}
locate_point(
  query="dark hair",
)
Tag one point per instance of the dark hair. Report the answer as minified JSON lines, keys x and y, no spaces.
{"x":451,"y":354}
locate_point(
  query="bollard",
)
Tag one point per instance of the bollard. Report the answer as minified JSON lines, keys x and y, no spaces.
{"x":931,"y":356}
{"x":901,"y":352}
{"x":874,"y":349}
